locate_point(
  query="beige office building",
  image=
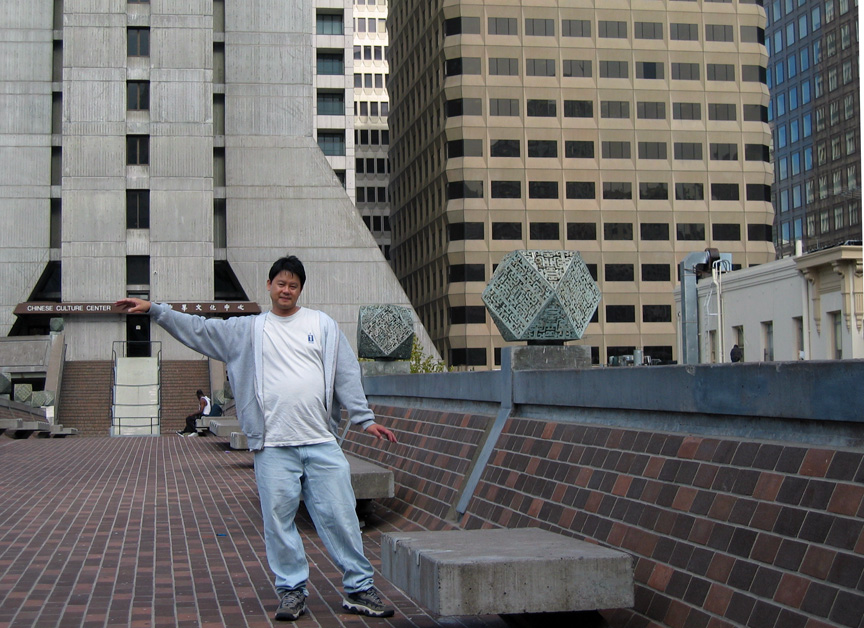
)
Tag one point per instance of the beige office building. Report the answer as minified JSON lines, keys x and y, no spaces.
{"x":632,"y":132}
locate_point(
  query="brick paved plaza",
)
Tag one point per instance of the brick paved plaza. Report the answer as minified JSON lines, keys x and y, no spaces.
{"x":157,"y":531}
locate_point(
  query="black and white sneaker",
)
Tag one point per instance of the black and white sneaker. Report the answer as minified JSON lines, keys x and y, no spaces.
{"x":293,"y":605}
{"x":366,"y":603}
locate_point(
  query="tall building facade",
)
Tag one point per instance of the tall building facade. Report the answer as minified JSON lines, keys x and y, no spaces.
{"x":331,"y":81}
{"x":168,"y":150}
{"x":815,"y":114}
{"x":371,"y":112}
{"x":634,"y":132}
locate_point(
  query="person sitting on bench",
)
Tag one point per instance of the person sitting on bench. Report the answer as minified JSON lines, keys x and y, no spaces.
{"x":192,"y":419}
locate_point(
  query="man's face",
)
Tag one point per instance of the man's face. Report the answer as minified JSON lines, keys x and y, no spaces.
{"x":284,"y":291}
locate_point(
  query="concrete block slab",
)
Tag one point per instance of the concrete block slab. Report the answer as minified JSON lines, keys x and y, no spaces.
{"x":369,"y":480}
{"x":239,"y":441}
{"x":224,"y":426}
{"x":505,"y":571}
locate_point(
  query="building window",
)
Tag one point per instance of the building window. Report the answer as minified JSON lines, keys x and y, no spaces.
{"x":652,"y":150}
{"x":332,"y":143}
{"x":503,"y":107}
{"x":330,"y":63}
{"x":540,"y":27}
{"x":755,"y":113}
{"x":540,"y":67}
{"x":544,"y":231}
{"x":137,"y":270}
{"x":754,"y":34}
{"x":465,"y":107}
{"x":614,"y":69}
{"x":656,"y":272}
{"x":506,"y":230}
{"x":648,"y":30}
{"x":543,"y":189}
{"x":651,"y":110}
{"x":689,"y":231}
{"x":576,"y":28}
{"x":723,"y":152}
{"x":618,"y":272}
{"x":617,"y":190}
{"x":650,"y":70}
{"x":504,"y":67}
{"x":617,"y":231}
{"x":615,"y":150}
{"x":686,"y":111}
{"x":654,"y":231}
{"x":689,"y":192}
{"x":620,"y":313}
{"x":753,"y":74}
{"x":504,"y":148}
{"x":462,"y":65}
{"x":656,"y":313}
{"x":467,"y":315}
{"x":578,"y":109}
{"x":464,"y":189}
{"x":468,"y":357}
{"x":463,"y":148}
{"x":687,"y":150}
{"x":685,"y":71}
{"x":580,"y":189}
{"x":726,"y":232}
{"x":331,"y":103}
{"x":138,"y":95}
{"x":459,"y":231}
{"x":576,"y":68}
{"x":467,"y":272}
{"x":724,"y":192}
{"x":503,"y":26}
{"x":542,"y":148}
{"x":137,"y":209}
{"x":137,"y":150}
{"x":581,"y":231}
{"x":760,"y":233}
{"x":757,"y":192}
{"x":614,"y":109}
{"x":329,"y":24}
{"x":718,"y":32}
{"x":653,"y":191}
{"x":617,"y":30}
{"x":541,"y":108}
{"x":574,"y":149}
{"x":137,"y":42}
{"x":684,"y":32}
{"x":462,"y":26}
{"x":718,"y":111}
{"x":506,"y":189}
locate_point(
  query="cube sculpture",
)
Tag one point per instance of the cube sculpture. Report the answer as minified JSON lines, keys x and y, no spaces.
{"x":546,"y":296}
{"x":385,"y":332}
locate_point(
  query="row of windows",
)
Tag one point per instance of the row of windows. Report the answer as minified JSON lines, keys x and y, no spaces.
{"x":370,"y":165}
{"x":612,"y":190}
{"x":373,"y":108}
{"x":370,"y":25}
{"x":583,"y":68}
{"x":371,"y":137}
{"x":584,"y":149}
{"x":378,"y":224}
{"x":370,"y":53}
{"x":793,"y":164}
{"x":661,"y":353}
{"x":648,"y":231}
{"x":476,"y":314}
{"x":544,"y":108}
{"x":372,"y":194}
{"x":610,"y":29}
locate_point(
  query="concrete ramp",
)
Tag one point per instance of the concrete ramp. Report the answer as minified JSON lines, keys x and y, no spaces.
{"x":505,"y":571}
{"x":135,"y":410}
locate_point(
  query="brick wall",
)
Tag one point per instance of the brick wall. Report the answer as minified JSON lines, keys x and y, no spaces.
{"x":723,"y":531}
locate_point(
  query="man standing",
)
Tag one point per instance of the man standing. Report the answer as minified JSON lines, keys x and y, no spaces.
{"x":291,"y":369}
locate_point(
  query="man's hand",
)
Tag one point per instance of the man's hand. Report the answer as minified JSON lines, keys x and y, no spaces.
{"x":379,"y":431}
{"x":131,"y":305}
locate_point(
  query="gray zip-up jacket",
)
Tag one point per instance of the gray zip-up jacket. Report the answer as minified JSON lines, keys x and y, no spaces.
{"x":238,"y":342}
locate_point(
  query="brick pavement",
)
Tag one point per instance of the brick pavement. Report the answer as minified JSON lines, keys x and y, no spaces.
{"x":158,"y":531}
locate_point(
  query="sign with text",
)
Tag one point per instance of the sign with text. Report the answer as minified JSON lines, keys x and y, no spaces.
{"x":203,"y":308}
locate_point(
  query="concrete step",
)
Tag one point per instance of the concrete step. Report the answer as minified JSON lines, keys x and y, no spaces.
{"x":505,"y":571}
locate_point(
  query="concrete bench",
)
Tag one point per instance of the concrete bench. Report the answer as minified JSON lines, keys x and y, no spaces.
{"x":9,"y":424}
{"x":58,"y":431}
{"x":505,"y":571}
{"x":224,"y":425}
{"x":25,"y":428}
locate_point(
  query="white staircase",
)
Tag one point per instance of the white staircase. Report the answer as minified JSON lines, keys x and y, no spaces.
{"x":135,"y":409}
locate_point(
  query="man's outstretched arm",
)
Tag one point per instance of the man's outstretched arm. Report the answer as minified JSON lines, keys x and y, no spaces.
{"x":131,"y":305}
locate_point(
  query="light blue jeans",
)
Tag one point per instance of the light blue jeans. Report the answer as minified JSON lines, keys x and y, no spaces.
{"x":322,"y":475}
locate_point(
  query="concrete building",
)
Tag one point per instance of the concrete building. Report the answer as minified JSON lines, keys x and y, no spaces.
{"x":371,"y":111}
{"x":806,"y":307}
{"x":166,"y":149}
{"x":815,"y":115}
{"x":634,"y":132}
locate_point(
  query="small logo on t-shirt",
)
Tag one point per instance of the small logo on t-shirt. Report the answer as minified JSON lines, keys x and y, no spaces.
{"x":310,"y":338}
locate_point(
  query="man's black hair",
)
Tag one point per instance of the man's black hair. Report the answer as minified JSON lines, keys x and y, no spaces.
{"x":290,"y":264}
{"x":199,"y":393}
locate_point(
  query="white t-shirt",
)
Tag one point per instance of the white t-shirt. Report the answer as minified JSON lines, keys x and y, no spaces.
{"x":293,"y":381}
{"x":206,"y":410}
